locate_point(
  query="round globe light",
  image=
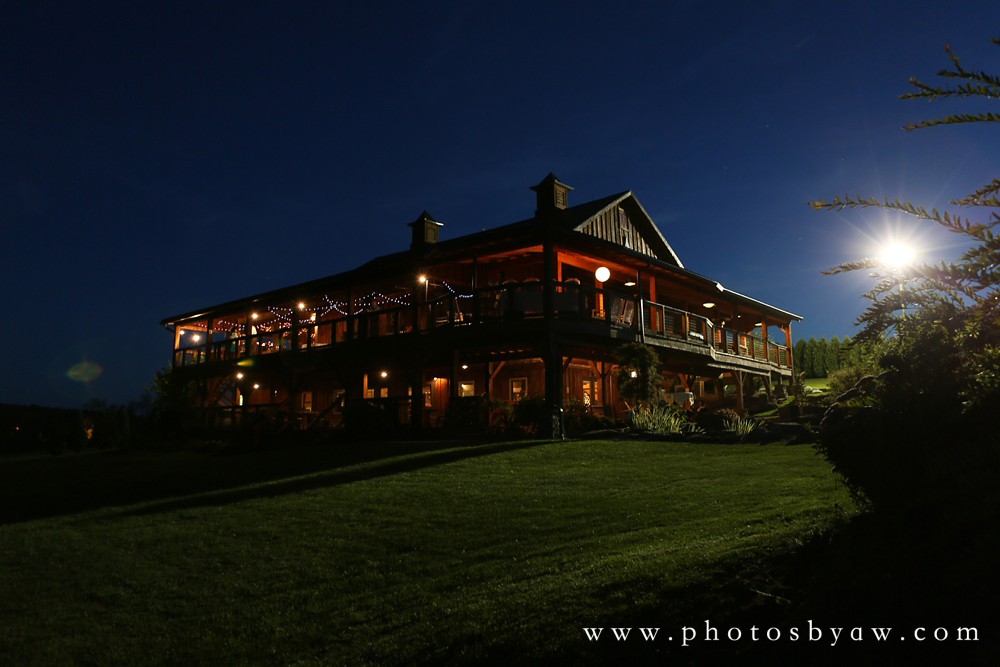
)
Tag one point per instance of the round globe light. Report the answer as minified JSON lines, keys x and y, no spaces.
{"x":602,"y":274}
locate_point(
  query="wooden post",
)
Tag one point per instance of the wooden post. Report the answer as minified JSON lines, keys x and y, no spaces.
{"x":641,"y":305}
{"x":549,"y":276}
{"x":552,"y":357}
{"x":248,"y":334}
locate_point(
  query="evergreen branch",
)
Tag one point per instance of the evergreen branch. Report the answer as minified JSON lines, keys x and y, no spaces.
{"x":951,"y":222}
{"x":962,"y":73}
{"x":952,"y":120}
{"x":981,"y":197}
{"x":931,"y":93}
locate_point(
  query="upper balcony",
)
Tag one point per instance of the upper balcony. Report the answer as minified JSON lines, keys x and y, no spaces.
{"x":570,"y":305}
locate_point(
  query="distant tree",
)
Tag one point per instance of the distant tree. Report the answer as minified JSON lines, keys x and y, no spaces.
{"x":822,"y":358}
{"x":832,"y":356}
{"x":809,"y":358}
{"x":173,"y":399}
{"x":800,"y":355}
{"x":923,"y":431}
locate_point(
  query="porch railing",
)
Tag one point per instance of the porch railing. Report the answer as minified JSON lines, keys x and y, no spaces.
{"x":498,"y":303}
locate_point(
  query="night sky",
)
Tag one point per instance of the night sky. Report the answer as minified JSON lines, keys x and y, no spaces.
{"x":157,"y":158}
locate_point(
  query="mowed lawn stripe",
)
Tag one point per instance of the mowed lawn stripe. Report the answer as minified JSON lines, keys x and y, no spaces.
{"x":407,"y":559}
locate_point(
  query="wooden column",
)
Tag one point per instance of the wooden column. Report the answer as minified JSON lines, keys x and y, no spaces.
{"x":641,"y":306}
{"x":552,"y":357}
{"x":549,"y":277}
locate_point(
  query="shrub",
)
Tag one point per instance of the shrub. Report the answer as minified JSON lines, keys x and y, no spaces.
{"x":716,"y":419}
{"x":668,"y":419}
{"x":740,"y":426}
{"x":531,"y":415}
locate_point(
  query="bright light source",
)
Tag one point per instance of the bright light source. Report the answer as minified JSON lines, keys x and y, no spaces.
{"x":253,"y":315}
{"x":239,"y":376}
{"x":196,"y":338}
{"x":634,"y":374}
{"x":384,"y":374}
{"x":256,"y":386}
{"x":709,"y":304}
{"x":602,"y":274}
{"x":465,"y":367}
{"x":897,"y":255}
{"x":302,"y":306}
{"x":423,"y":279}
{"x":313,"y":317}
{"x":630,"y":283}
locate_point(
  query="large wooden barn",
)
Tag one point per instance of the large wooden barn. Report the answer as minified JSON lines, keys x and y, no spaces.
{"x":536,"y":307}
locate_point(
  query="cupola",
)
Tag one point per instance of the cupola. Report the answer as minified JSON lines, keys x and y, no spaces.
{"x":425,"y":230}
{"x":551,"y":194}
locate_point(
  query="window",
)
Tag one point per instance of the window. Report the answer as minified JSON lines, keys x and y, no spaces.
{"x":591,"y":392}
{"x":466,"y":389}
{"x":383,"y":392}
{"x":370,"y":393}
{"x":428,"y":401}
{"x":518,"y":389}
{"x":307,"y":401}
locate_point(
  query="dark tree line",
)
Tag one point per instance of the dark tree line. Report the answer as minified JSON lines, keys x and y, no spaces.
{"x":821,"y":358}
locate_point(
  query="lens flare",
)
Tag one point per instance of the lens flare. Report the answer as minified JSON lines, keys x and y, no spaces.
{"x":85,"y":371}
{"x":897,"y":254}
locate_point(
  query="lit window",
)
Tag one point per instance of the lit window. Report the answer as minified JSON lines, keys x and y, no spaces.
{"x":466,"y":389}
{"x":518,"y":389}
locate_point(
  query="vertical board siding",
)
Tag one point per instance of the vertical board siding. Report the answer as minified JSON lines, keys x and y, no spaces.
{"x":615,"y":226}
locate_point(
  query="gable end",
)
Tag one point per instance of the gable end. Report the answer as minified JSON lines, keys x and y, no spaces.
{"x":627,"y":224}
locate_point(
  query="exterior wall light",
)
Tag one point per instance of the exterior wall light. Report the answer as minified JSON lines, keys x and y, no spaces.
{"x":256,"y":386}
{"x":602,"y":274}
{"x":239,"y":376}
{"x":385,"y":374}
{"x":709,"y":304}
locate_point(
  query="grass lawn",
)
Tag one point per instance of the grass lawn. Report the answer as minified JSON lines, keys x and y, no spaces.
{"x":817,"y":383}
{"x":381,"y":554}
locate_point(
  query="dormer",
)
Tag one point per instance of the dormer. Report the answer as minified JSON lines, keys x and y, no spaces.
{"x":425,"y":230}
{"x":551,"y":194}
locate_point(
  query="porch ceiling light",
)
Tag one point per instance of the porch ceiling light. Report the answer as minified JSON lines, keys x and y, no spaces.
{"x":630,"y":283}
{"x":602,"y":274}
{"x":709,"y":304}
{"x":384,"y":374}
{"x":253,"y":315}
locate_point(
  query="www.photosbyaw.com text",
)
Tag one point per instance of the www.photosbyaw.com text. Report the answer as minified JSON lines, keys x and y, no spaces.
{"x":811,"y":633}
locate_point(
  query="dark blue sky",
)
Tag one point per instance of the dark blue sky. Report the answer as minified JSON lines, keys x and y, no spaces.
{"x":156,"y":158}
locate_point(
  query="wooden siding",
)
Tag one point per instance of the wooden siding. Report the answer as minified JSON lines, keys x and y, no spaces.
{"x":615,"y":226}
